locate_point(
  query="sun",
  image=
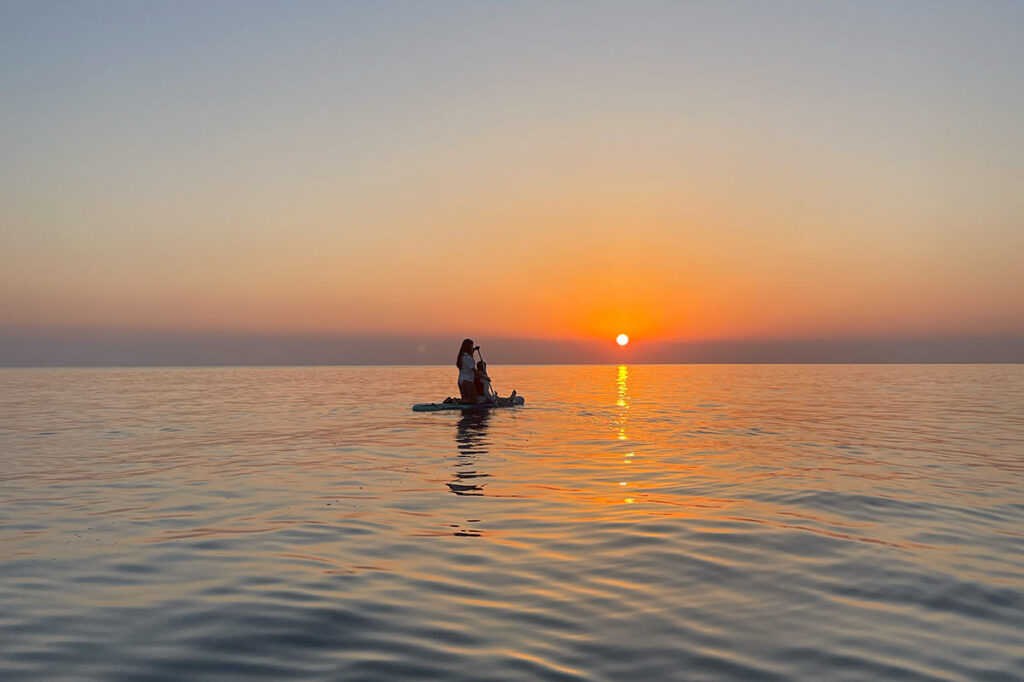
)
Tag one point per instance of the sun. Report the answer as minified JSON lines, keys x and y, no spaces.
{"x":622,"y":339}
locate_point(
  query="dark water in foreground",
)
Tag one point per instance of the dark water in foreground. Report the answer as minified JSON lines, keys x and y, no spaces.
{"x":645,"y":523}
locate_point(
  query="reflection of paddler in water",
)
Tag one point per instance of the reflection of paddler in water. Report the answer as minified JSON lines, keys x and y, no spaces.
{"x":471,"y":440}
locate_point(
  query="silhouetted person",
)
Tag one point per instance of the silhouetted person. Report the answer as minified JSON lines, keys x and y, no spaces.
{"x":478,"y":382}
{"x":467,"y":372}
{"x":483,"y":383}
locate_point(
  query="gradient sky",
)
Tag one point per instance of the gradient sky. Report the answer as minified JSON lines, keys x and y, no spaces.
{"x":675,"y":171}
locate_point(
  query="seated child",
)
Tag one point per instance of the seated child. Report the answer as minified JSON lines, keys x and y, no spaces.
{"x":485,"y":393}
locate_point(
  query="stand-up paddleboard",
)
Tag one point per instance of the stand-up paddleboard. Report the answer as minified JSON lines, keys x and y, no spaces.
{"x":437,"y":407}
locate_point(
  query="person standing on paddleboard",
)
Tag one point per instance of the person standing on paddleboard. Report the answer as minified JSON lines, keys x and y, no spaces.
{"x":467,"y":372}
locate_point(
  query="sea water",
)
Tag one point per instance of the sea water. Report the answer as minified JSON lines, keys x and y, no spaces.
{"x":632,"y":522}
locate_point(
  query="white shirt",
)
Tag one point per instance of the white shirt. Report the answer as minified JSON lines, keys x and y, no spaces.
{"x":466,"y":367}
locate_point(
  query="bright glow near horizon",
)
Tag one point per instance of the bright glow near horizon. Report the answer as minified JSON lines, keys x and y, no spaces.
{"x":684,"y":171}
{"x":622,"y":339}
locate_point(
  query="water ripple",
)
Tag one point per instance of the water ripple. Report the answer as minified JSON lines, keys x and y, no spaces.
{"x":690,"y":523}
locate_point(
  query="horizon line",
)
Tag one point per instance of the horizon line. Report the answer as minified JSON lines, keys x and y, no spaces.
{"x":518,"y":364}
{"x":146,"y":348}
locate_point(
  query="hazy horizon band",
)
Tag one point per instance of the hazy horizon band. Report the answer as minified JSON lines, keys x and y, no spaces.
{"x":72,"y":348}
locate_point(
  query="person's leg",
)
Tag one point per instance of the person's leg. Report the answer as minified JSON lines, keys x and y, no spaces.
{"x":468,"y":392}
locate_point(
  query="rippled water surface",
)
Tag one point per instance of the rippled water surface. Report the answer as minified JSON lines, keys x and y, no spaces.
{"x":642,"y":522}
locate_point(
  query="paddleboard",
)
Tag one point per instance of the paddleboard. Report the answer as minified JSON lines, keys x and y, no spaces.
{"x":438,"y":407}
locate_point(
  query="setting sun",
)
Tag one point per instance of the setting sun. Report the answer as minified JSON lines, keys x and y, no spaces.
{"x":622,"y":339}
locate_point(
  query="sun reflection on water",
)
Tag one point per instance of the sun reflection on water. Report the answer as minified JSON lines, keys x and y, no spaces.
{"x":622,"y":386}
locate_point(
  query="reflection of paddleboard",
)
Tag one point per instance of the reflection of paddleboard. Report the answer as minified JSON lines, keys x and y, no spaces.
{"x":437,"y":407}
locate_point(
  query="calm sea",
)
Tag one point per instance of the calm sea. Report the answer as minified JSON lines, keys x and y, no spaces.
{"x":637,"y":523}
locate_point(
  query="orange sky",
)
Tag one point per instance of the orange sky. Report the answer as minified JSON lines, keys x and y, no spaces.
{"x":682,"y":172}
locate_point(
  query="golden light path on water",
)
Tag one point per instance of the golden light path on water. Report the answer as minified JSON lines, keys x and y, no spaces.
{"x":622,"y":402}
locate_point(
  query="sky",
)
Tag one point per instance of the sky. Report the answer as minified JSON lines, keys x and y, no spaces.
{"x":685,"y":173}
